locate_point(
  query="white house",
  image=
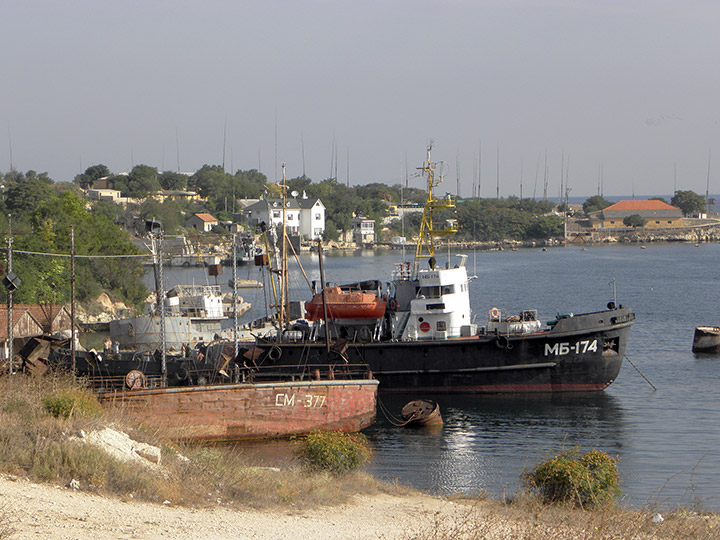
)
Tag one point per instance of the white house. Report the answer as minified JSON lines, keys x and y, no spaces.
{"x":201,"y":222}
{"x":305,"y":217}
{"x":312,"y":217}
{"x":363,"y":230}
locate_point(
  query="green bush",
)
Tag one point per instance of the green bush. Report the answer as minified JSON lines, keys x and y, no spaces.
{"x":71,"y":402}
{"x":585,"y":481}
{"x":334,"y":451}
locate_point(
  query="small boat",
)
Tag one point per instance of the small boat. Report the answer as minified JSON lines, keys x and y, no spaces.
{"x":346,"y":303}
{"x":421,"y":412}
{"x":246,"y":284}
{"x":706,"y":339}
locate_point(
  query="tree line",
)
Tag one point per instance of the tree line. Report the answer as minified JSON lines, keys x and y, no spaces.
{"x":38,"y":214}
{"x":42,"y":211}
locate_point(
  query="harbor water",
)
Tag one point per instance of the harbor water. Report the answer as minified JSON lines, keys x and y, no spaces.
{"x":668,"y":439}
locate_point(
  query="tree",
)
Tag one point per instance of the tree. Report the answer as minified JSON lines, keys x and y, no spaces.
{"x":595,"y":203}
{"x":91,"y":174}
{"x":634,"y":220}
{"x":110,"y":210}
{"x":173,"y":181}
{"x":44,"y":226}
{"x":689,"y":202}
{"x":26,"y":195}
{"x":169,"y":213}
{"x":142,"y":181}
{"x":509,"y":219}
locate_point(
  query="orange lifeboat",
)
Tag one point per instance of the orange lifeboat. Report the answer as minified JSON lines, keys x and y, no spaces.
{"x":345,"y":305}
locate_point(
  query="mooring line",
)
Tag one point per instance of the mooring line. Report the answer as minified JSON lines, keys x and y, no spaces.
{"x":389,"y":416}
{"x":640,"y":372}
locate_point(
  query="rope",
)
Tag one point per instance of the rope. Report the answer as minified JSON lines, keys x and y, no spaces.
{"x":641,"y":373}
{"x":395,"y":421}
{"x":67,"y":255}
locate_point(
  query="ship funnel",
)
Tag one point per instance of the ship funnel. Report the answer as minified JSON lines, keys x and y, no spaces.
{"x":462,"y":261}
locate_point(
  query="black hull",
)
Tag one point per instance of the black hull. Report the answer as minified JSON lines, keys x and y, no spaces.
{"x":583,"y":353}
{"x":580,"y":354}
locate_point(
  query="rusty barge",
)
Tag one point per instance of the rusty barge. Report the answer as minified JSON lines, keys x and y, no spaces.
{"x":198,"y":399}
{"x":240,"y":411}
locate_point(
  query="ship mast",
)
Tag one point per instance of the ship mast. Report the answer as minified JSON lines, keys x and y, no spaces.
{"x":428,"y":229}
{"x":284,"y":300}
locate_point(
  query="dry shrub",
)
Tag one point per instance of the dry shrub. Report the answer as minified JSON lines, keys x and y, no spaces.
{"x":334,"y":451}
{"x":585,"y":480}
{"x":69,"y":402}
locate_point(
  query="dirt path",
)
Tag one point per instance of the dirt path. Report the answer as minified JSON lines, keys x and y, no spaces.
{"x":44,"y":511}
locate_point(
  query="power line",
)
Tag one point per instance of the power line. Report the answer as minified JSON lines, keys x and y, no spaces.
{"x":15,"y":251}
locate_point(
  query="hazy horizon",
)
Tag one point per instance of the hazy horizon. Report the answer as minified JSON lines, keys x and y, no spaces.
{"x":362,"y":87}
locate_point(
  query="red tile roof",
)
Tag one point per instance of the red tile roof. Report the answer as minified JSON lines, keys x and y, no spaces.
{"x":625,"y":206}
{"x":205,"y":217}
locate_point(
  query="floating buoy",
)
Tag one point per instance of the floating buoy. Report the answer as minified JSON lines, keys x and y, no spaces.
{"x":421,"y":412}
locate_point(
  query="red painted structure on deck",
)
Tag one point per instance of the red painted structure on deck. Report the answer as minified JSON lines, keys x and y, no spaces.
{"x":232,"y":412}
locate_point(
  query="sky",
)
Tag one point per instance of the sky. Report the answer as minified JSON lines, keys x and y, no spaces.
{"x":621,"y":93}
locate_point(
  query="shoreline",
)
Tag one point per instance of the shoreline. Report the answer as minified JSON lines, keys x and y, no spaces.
{"x":35,"y":510}
{"x":32,"y":510}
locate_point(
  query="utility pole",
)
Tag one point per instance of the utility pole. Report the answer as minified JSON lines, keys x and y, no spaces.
{"x":72,"y":297}
{"x":11,"y":352}
{"x":497,"y":180}
{"x":235,"y":291}
{"x":155,"y":232}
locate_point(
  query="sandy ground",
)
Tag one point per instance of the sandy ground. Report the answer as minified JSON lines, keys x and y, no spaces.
{"x":43,"y":511}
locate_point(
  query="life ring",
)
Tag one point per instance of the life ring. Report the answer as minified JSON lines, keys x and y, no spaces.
{"x":135,"y":379}
{"x":229,"y":350}
{"x":494,"y":314}
{"x":182,"y":374}
{"x":392,"y":304}
{"x":275,"y":353}
{"x":365,"y":334}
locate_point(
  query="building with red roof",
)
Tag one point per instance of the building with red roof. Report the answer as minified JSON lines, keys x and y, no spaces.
{"x":202,"y":222}
{"x":657,"y":214}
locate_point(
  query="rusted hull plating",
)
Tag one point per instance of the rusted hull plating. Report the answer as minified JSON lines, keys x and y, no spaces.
{"x":233,"y":412}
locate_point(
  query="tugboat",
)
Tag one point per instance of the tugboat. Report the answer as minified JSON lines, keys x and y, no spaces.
{"x":428,"y":342}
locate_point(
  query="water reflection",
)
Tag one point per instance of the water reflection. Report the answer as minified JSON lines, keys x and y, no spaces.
{"x":487,"y":441}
